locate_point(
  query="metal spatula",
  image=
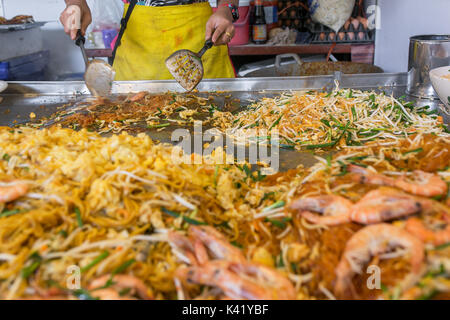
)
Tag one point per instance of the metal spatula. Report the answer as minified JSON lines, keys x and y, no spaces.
{"x":99,"y":75}
{"x":3,"y":85}
{"x":187,"y":67}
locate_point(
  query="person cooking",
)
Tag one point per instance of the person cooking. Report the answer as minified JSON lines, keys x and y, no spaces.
{"x":157,"y":28}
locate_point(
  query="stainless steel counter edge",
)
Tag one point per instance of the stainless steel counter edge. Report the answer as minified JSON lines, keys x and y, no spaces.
{"x":78,"y":88}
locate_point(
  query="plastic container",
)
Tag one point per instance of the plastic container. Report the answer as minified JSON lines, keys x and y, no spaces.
{"x":242,"y":26}
{"x":109,"y":35}
{"x":29,"y":67}
{"x":4,"y":70}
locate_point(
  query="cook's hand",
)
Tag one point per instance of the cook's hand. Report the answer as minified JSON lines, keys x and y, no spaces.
{"x":219,"y":27}
{"x":76,"y":16}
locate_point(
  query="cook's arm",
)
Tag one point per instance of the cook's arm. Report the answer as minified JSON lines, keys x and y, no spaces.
{"x":77,"y":15}
{"x":220,"y":25}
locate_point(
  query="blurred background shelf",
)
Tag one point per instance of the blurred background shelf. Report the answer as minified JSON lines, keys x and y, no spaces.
{"x":257,"y":50}
{"x":261,"y":50}
{"x":99,"y":53}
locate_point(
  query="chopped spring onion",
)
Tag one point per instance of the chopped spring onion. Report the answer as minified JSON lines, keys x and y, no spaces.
{"x":442,"y":246}
{"x":124,"y":266}
{"x":279,"y":223}
{"x":418,"y":150}
{"x":118,"y":270}
{"x":96,"y":261}
{"x":36,"y":262}
{"x":186,"y":219}
{"x":78,"y":215}
{"x":354,"y":114}
{"x":276,"y":205}
{"x":155,"y":126}
{"x":9,"y":213}
{"x":276,"y":122}
{"x":429,"y":295}
{"x":236,"y":244}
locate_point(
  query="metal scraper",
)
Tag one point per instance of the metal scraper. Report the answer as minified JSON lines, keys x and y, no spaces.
{"x":3,"y":85}
{"x":187,"y":67}
{"x":99,"y":75}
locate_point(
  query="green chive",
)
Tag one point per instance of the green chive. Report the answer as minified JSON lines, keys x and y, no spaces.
{"x":259,"y":177}
{"x":279,"y":223}
{"x":28,"y":271}
{"x":96,"y":261}
{"x":323,"y":145}
{"x":429,"y":296}
{"x":236,"y":244}
{"x":155,"y":126}
{"x":268,"y":195}
{"x":63,"y":233}
{"x":6,"y":157}
{"x":329,"y":158}
{"x":418,"y":150}
{"x":123,"y":267}
{"x":247,"y":170}
{"x":325,"y":122}
{"x":355,"y":115}
{"x":442,"y":246}
{"x":9,"y":213}
{"x":276,"y":122}
{"x":186,"y":219}
{"x":335,"y":120}
{"x":124,"y":292}
{"x":274,"y":206}
{"x":78,"y":215}
{"x":329,"y":144}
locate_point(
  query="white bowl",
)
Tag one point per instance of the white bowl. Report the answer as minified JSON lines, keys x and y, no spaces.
{"x":440,"y":78}
{"x":3,"y":85}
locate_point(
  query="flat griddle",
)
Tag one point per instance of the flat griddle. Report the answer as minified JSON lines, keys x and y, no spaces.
{"x":45,"y":98}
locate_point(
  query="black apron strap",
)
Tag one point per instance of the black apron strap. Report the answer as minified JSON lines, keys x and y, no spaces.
{"x":123,"y":26}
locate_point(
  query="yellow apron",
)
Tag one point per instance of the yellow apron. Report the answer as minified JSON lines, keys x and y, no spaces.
{"x":154,"y":33}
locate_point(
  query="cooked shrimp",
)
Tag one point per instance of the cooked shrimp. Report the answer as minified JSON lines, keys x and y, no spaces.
{"x":240,"y":280}
{"x":371,"y":241}
{"x":334,"y":209}
{"x":384,"y":204}
{"x":121,"y":282}
{"x":422,"y":183}
{"x":180,"y":242}
{"x":204,"y":243}
{"x":365,"y":176}
{"x":12,"y":192}
{"x":219,"y":246}
{"x":417,"y":227}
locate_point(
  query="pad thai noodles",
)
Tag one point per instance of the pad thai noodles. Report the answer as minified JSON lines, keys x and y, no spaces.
{"x":84,"y":216}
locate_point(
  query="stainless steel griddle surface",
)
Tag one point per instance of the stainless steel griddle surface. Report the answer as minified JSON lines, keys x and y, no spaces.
{"x":45,"y":98}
